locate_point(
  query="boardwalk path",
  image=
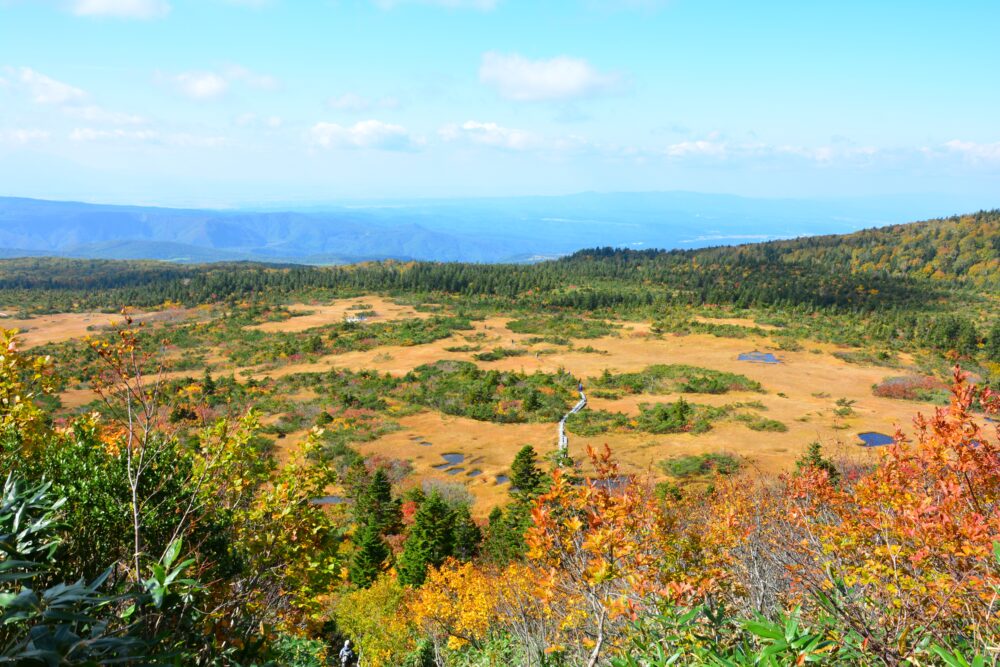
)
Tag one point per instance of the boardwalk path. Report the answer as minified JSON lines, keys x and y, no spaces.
{"x":563,"y":439}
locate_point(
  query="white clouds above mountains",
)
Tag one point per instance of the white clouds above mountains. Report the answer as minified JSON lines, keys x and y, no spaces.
{"x":72,"y":101}
{"x":364,"y":134}
{"x":974,"y":152}
{"x":489,"y":134}
{"x":555,"y":79}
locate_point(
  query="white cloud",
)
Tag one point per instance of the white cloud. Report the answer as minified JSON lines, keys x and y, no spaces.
{"x":184,"y":140}
{"x":209,"y":85}
{"x":46,"y":90}
{"x":253,"y":120}
{"x":365,"y":134}
{"x":716,"y":149}
{"x":92,"y":134}
{"x":489,"y":134}
{"x":22,"y":136}
{"x":251,"y":78}
{"x":974,"y":151}
{"x":200,"y":85}
{"x":82,"y":134}
{"x":561,"y":78}
{"x":349,"y":102}
{"x":127,"y":137}
{"x":482,"y":5}
{"x":95,"y":114}
{"x":700,"y":148}
{"x":131,"y":9}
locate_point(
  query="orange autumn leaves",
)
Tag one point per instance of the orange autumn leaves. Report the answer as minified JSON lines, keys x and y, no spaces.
{"x":599,"y":555}
{"x":910,"y":544}
{"x":900,"y":552}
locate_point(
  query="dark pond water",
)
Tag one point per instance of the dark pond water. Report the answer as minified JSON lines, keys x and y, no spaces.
{"x":873,"y":439}
{"x":454,"y":471}
{"x":503,"y":479}
{"x":424,"y":443}
{"x":453,"y":458}
{"x":329,"y":500}
{"x":760,"y":357}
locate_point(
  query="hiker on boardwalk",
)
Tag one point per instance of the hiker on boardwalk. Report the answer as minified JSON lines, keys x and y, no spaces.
{"x":346,"y":654}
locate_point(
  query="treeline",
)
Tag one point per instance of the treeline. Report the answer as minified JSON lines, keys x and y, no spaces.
{"x":908,"y":266}
{"x":961,"y":249}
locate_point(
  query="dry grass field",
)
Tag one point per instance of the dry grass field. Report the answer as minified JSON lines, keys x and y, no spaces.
{"x":801,"y":392}
{"x":307,"y":316}
{"x":67,"y":326}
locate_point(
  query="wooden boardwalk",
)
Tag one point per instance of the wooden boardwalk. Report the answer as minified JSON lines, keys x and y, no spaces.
{"x":563,"y":439}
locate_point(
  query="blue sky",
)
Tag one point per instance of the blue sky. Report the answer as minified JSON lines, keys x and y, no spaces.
{"x":240,"y":102}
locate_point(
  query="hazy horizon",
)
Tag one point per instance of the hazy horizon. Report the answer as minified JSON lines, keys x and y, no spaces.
{"x":515,"y":229}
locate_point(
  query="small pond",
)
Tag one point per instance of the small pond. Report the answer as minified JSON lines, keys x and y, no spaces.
{"x":760,"y":357}
{"x":873,"y":439}
{"x":503,"y":479}
{"x":475,"y":472}
{"x":329,"y":500}
{"x":450,"y":460}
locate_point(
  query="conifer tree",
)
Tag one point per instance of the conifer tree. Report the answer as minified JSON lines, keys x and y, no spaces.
{"x":466,"y":534}
{"x":208,"y":386}
{"x":504,"y":539}
{"x":993,"y":343}
{"x":370,"y":557}
{"x":493,"y":540}
{"x":375,"y":506}
{"x":525,"y":476}
{"x":814,"y":458}
{"x":430,"y":540}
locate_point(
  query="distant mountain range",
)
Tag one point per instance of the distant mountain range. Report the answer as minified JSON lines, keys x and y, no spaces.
{"x":476,"y":230}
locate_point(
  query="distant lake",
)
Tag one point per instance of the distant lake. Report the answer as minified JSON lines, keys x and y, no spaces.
{"x":873,"y":439}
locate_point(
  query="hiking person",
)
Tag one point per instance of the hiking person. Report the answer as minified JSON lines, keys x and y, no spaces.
{"x":346,"y":654}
